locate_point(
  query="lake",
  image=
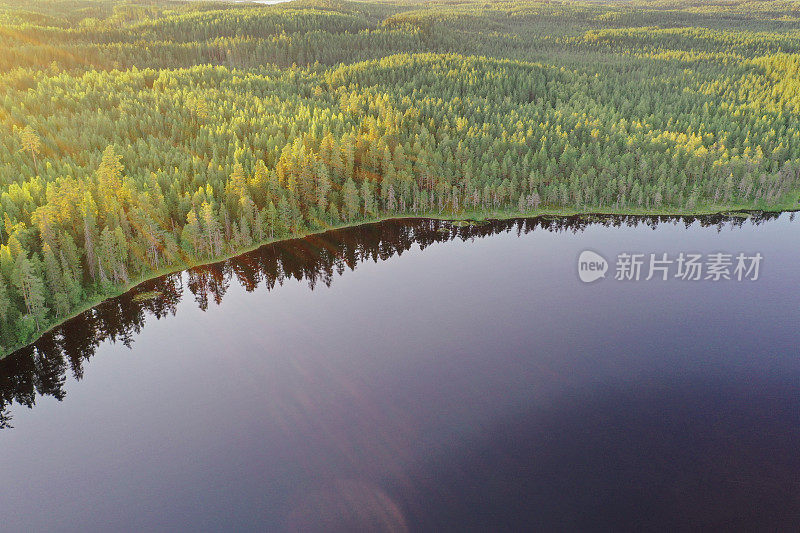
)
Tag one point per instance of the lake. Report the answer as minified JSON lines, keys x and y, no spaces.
{"x":417,"y":375}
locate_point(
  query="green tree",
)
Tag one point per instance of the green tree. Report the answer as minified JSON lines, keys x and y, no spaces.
{"x":31,"y":144}
{"x":31,"y":288}
{"x":351,"y":200}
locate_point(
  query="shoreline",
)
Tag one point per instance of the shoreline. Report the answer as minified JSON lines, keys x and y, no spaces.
{"x":466,"y":216}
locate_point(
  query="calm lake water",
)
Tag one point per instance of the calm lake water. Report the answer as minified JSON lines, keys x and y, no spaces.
{"x":413,"y":375}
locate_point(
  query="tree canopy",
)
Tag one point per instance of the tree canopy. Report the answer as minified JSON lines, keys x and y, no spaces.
{"x":140,"y":136}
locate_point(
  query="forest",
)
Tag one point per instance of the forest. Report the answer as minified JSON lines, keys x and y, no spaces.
{"x":142,"y":137}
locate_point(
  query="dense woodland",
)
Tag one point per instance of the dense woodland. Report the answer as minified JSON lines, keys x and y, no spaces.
{"x":139,"y":137}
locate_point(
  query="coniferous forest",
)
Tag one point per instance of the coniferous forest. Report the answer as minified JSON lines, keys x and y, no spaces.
{"x":139,"y":137}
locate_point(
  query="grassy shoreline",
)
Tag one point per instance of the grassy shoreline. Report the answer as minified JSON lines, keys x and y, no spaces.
{"x":119,"y":290}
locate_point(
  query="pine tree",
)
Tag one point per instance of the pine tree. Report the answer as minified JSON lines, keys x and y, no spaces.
{"x":31,"y":288}
{"x":5,"y":304}
{"x":31,"y":144}
{"x":271,"y":219}
{"x":190,"y":235}
{"x":89,"y":212}
{"x":211,"y":229}
{"x":351,"y":200}
{"x":55,"y":281}
{"x":284,"y":216}
{"x":109,"y":173}
{"x":369,"y":199}
{"x":323,"y":185}
{"x":236,"y":188}
{"x":72,"y":274}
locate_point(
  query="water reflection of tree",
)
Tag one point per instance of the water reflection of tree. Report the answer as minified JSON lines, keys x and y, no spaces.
{"x":40,"y":369}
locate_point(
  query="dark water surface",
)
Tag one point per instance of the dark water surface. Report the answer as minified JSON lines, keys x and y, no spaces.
{"x":457,"y":378}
